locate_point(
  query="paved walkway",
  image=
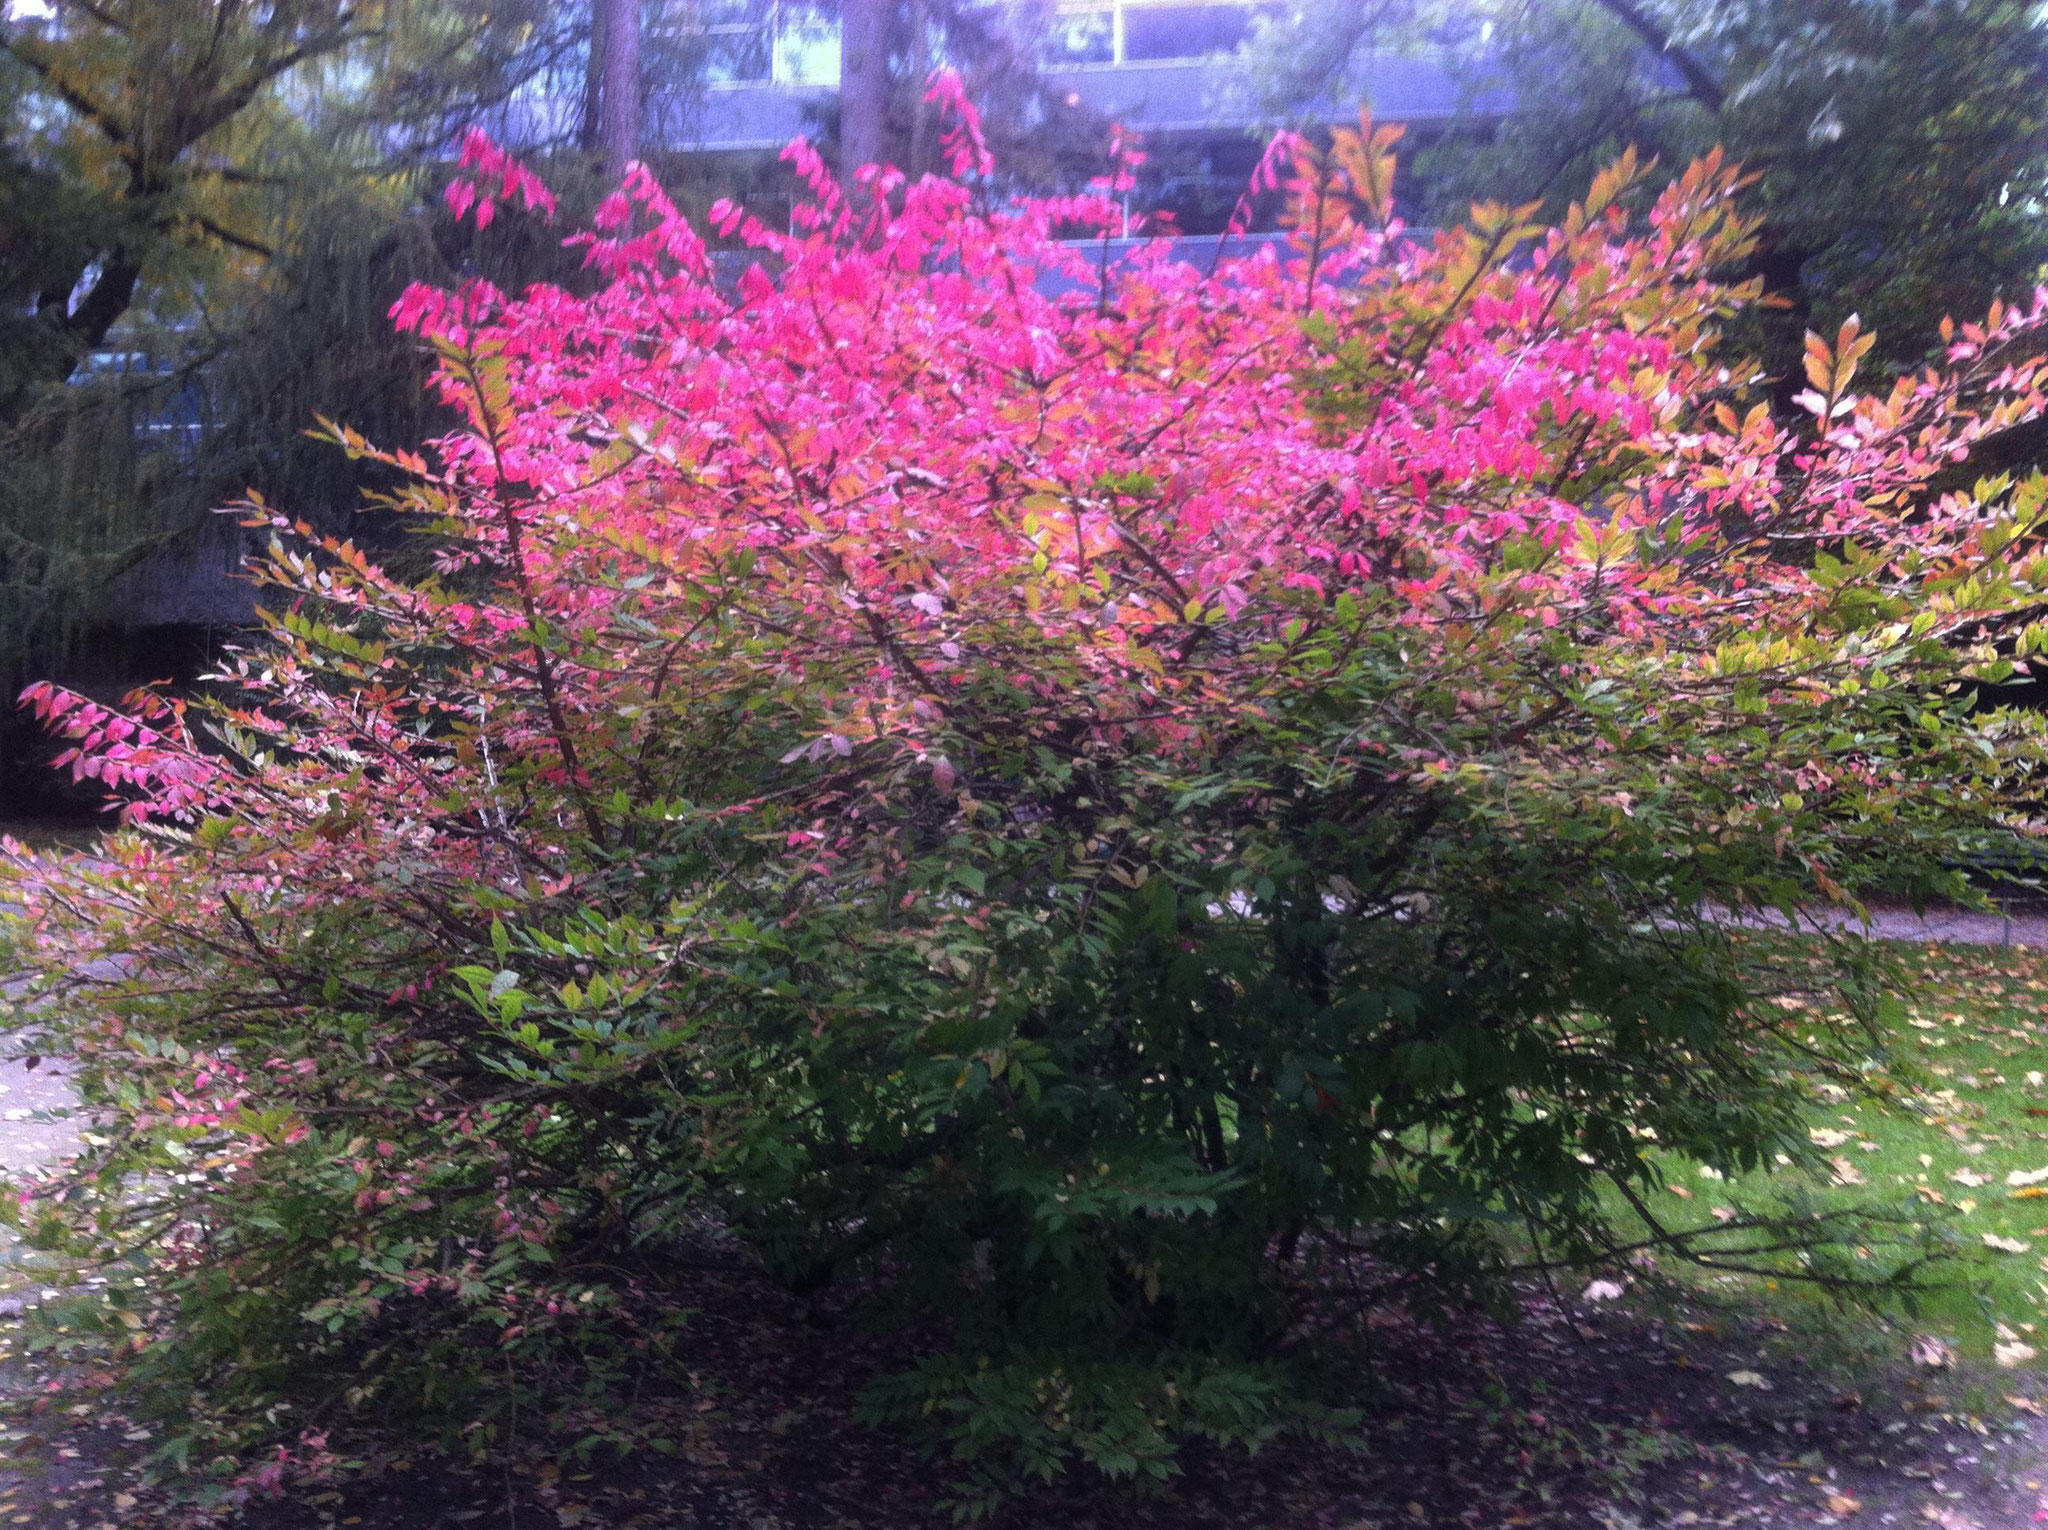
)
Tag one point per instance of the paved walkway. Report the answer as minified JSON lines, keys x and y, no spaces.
{"x":24,"y":1092}
{"x":1952,"y":926}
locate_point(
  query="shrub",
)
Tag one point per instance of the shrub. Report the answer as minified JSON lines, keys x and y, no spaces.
{"x":1056,"y":813}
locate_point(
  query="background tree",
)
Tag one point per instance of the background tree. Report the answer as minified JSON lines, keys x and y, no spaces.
{"x":615,"y":43}
{"x":889,"y":49}
{"x":1902,"y":145}
{"x":868,"y":33}
{"x":190,"y":117}
{"x":205,"y":211}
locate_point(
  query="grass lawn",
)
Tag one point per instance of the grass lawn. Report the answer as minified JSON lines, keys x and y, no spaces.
{"x":1960,"y":1130}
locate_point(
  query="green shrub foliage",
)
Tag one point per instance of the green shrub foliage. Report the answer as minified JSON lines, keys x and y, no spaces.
{"x":1057,"y":804}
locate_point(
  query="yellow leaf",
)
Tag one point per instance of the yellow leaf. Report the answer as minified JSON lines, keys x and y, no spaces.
{"x":1820,"y":363}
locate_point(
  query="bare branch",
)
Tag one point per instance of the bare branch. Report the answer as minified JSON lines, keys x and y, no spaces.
{"x":32,"y":58}
{"x":228,"y":236}
{"x":1699,"y":79}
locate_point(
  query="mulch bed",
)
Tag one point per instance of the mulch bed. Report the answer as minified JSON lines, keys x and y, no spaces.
{"x":1569,"y":1415}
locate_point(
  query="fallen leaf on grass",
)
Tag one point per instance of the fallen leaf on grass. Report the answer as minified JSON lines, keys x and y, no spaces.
{"x":2006,"y":1245}
{"x":1846,"y":1173}
{"x":1749,"y":1379}
{"x":2031,"y":1193}
{"x":1842,"y":1503}
{"x":1947,"y":1519}
{"x":2027,"y":1405}
{"x":1680,"y":1191}
{"x":1969,"y":1178}
{"x":2026,"y":1176}
{"x":2013,"y":1354}
{"x":1935,"y":1354}
{"x":1603,"y":1290}
{"x":1827,"y":1137}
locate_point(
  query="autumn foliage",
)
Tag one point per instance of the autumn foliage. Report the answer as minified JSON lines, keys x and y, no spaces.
{"x":1068,"y":801}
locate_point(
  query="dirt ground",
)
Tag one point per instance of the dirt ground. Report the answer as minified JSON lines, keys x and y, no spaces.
{"x":1573,"y":1416}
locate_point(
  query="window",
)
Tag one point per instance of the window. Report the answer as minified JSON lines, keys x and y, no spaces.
{"x":735,"y":36}
{"x":737,"y":58}
{"x":806,"y":50}
{"x":1182,"y":31}
{"x":1082,"y":37}
{"x":757,"y":42}
{"x":1145,"y":31}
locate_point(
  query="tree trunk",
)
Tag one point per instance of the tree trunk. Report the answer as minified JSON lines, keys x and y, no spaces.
{"x":619,"y":26}
{"x":68,"y":336}
{"x":590,"y":132}
{"x":921,"y":114}
{"x":863,"y":84}
{"x":111,"y":295}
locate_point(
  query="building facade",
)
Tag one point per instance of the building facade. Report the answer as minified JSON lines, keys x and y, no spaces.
{"x":1172,"y":70}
